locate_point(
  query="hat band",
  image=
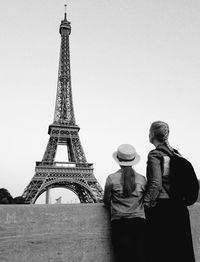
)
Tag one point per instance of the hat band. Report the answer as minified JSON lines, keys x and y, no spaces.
{"x":125,"y":160}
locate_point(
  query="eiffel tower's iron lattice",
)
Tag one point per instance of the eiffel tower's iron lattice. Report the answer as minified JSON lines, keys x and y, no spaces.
{"x":76,"y":174}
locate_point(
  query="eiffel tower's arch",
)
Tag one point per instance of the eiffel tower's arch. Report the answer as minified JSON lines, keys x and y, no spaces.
{"x":79,"y":188}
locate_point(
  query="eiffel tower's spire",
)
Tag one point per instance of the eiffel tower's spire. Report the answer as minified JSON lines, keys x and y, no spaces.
{"x":65,"y":17}
{"x":64,"y":111}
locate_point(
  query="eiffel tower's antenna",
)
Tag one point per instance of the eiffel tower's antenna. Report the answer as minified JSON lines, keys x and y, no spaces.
{"x":65,"y":17}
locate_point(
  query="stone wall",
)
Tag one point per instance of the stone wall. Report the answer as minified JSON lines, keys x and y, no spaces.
{"x":63,"y":233}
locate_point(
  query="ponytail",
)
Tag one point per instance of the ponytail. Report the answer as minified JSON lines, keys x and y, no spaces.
{"x":166,"y":143}
{"x":128,"y":180}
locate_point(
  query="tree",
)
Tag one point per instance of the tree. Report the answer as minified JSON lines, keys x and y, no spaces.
{"x":5,"y":197}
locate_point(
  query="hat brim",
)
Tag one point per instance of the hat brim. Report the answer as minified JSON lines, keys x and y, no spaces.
{"x":126,"y":163}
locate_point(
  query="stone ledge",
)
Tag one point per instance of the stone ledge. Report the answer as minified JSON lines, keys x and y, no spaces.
{"x":66,"y":232}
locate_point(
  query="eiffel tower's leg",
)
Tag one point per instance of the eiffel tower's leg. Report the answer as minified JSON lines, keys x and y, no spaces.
{"x":84,"y":195}
{"x":97,"y":190}
{"x":78,"y":150}
{"x":70,"y":151}
{"x":51,"y":148}
{"x":33,"y":189}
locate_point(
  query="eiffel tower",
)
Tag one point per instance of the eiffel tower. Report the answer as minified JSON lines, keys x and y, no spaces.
{"x":76,"y":174}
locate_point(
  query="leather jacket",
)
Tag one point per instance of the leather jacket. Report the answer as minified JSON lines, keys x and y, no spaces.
{"x":157,"y":174}
{"x":120,"y":206}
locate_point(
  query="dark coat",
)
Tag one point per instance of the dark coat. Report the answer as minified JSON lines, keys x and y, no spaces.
{"x":168,"y":236}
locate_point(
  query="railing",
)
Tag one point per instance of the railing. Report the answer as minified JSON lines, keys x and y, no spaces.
{"x":62,"y":164}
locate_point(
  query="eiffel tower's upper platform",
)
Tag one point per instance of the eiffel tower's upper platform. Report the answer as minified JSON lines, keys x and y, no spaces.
{"x":65,"y":26}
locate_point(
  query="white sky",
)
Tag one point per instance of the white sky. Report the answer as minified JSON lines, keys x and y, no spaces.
{"x":132,"y":62}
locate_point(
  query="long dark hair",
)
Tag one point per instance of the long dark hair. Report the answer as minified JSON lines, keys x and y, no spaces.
{"x":128,"y":180}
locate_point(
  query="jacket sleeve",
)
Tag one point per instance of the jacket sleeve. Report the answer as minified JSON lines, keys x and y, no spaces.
{"x":107,"y":192}
{"x":154,"y":178}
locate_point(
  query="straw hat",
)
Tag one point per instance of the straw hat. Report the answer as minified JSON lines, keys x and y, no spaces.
{"x":126,"y":155}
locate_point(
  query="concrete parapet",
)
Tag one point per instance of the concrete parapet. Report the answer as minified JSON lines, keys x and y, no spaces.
{"x":63,"y":233}
{"x":54,"y":233}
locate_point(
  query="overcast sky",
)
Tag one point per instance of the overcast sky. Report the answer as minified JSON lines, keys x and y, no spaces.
{"x":132,"y":62}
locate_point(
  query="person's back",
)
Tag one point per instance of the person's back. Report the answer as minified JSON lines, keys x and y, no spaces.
{"x":168,"y":222}
{"x":123,"y":196}
{"x":126,"y":207}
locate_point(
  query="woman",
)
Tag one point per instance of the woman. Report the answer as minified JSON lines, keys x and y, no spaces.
{"x":123,"y":196}
{"x":168,"y":237}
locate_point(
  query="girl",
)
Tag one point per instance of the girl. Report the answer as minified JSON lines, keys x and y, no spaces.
{"x":123,"y":196}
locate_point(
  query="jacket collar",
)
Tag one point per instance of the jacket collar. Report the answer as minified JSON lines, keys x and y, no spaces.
{"x":166,"y":149}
